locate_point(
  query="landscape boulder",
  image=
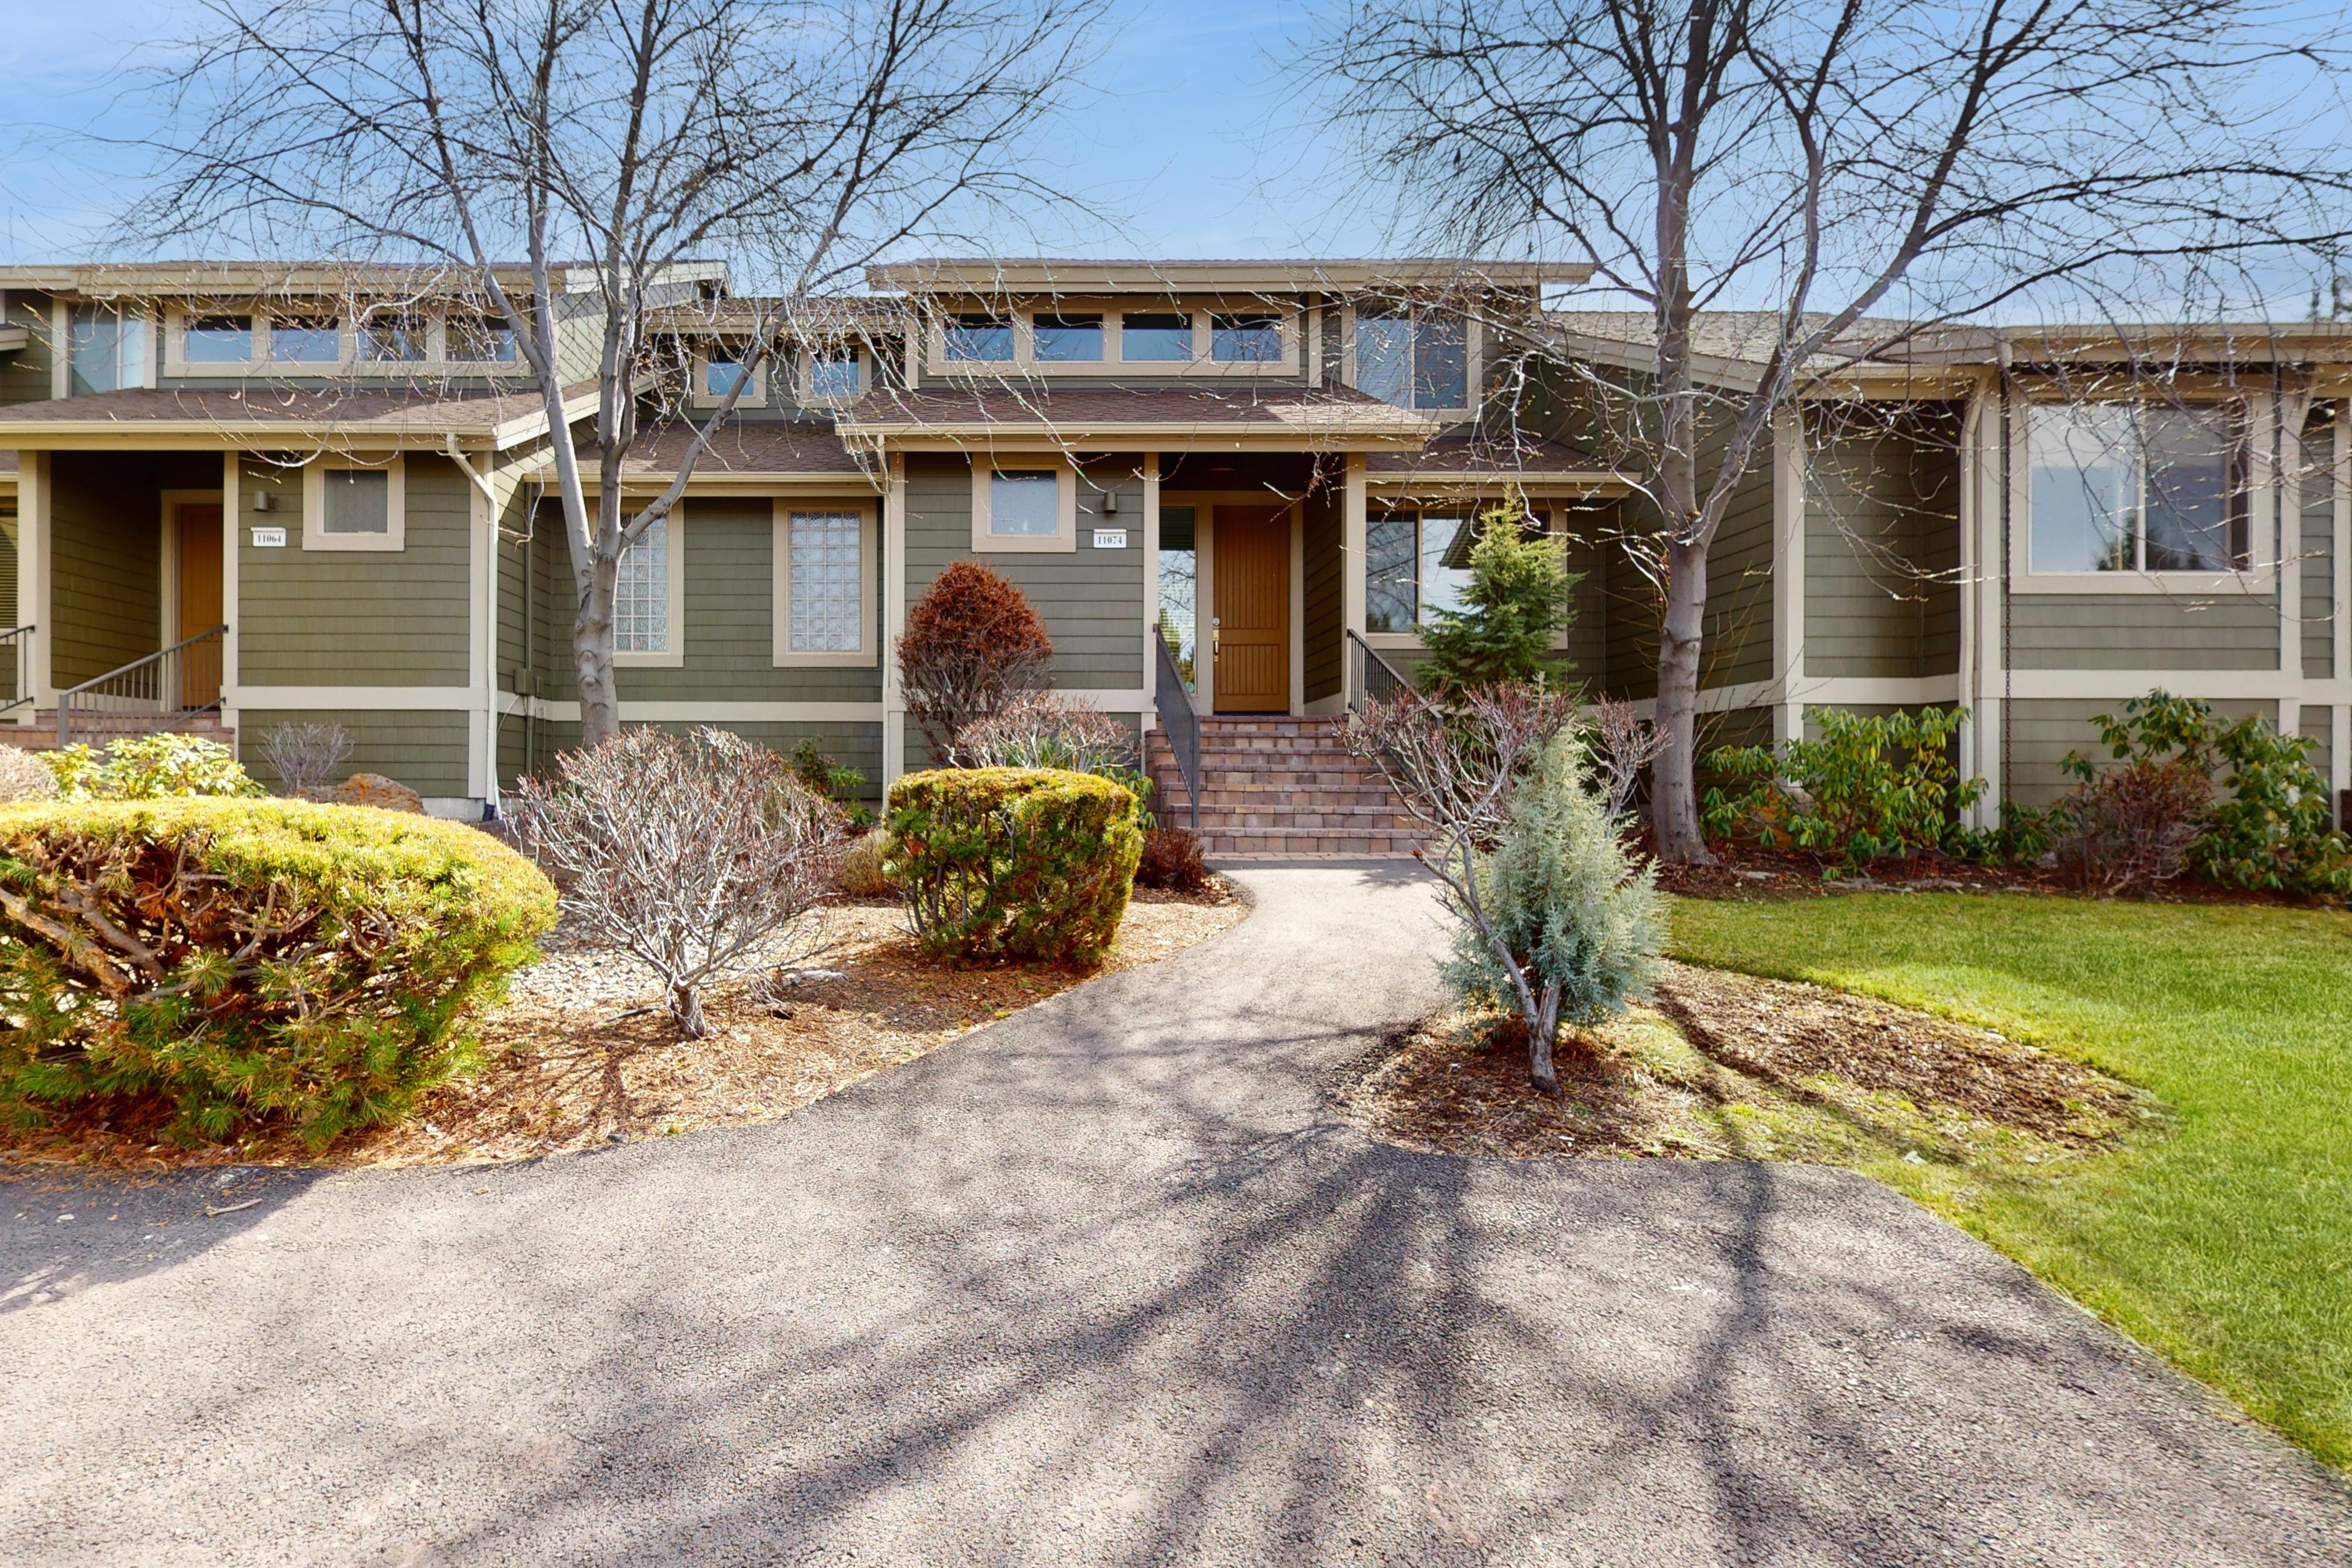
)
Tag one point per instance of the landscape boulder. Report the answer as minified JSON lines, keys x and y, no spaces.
{"x":374,"y":789}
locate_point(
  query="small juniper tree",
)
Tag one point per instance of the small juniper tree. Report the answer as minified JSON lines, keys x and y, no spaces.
{"x":1570,"y":929}
{"x":1514,"y":608}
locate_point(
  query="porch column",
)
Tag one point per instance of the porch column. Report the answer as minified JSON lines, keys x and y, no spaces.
{"x":33,"y":578}
{"x":1787,"y":577}
{"x":894,"y":619}
{"x":1351,"y":572}
{"x":1150,"y":718}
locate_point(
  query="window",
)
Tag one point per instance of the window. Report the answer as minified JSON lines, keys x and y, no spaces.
{"x":2125,"y":488}
{"x":723,"y":373}
{"x":1415,"y":565}
{"x":1023,"y":509}
{"x":833,"y":374}
{"x":1068,"y":340}
{"x":217,"y":340}
{"x":477,"y":340}
{"x":825,"y":586}
{"x":979,"y":338}
{"x":1413,"y":359}
{"x":644,"y":606}
{"x":1179,"y":587}
{"x":106,"y":350}
{"x":392,"y":337}
{"x":1245,"y":340}
{"x":353,"y":504}
{"x":1155,"y":339}
{"x":306,"y":340}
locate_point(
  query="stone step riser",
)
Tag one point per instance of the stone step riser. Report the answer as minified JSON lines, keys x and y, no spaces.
{"x":1283,"y":787}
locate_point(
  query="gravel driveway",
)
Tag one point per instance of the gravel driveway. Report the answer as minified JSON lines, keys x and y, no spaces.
{"x":1103,"y":1284}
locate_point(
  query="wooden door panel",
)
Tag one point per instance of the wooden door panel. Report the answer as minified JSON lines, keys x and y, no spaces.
{"x":199,"y":546}
{"x":1251,"y":566}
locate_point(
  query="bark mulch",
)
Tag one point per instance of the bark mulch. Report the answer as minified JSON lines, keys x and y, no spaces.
{"x":1660,"y":1082}
{"x":584,"y":1055}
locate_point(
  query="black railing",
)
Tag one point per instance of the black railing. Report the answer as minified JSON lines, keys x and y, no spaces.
{"x":15,"y":668}
{"x":1373,"y":678}
{"x":147,"y":694}
{"x":1183,"y":725}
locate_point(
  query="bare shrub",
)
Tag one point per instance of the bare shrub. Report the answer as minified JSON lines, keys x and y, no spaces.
{"x":24,"y":775}
{"x":1042,"y":730}
{"x":862,"y":873}
{"x":306,"y":757}
{"x":696,"y":855}
{"x":1171,"y":862}
{"x":2130,"y":828}
{"x":1623,"y":745}
{"x":973,"y":641}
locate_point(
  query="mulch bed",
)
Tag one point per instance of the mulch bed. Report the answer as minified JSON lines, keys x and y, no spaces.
{"x":1748,"y":873}
{"x":1444,"y":1087}
{"x":584,"y":1055}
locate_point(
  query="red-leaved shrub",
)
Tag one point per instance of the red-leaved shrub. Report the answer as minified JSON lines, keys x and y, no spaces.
{"x":972,"y":642}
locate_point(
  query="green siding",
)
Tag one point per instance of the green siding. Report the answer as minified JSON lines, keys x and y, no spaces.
{"x":1882,"y":549}
{"x":729,"y":552}
{"x":2143,"y":631}
{"x":1092,"y":600}
{"x":853,"y":745}
{"x":356,"y":618}
{"x":2319,"y":553}
{"x":1323,"y":538}
{"x":426,"y":751}
{"x":2319,"y":725}
{"x":2041,"y":732}
{"x":1588,"y":626}
{"x":106,"y":515}
{"x":24,"y":376}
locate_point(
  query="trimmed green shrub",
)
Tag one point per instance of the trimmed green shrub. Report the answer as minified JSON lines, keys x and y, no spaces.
{"x":150,"y":767}
{"x":250,"y":962}
{"x":836,"y":782}
{"x":1869,"y":788}
{"x":1024,"y":863}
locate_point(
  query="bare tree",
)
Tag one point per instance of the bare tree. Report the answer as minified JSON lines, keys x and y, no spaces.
{"x":1820,"y":162}
{"x":307,"y":756}
{"x":800,"y":139}
{"x":1623,"y":744}
{"x":696,"y":855}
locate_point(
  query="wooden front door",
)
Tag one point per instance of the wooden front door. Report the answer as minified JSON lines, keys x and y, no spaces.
{"x":199,"y":548}
{"x":1251,"y":629}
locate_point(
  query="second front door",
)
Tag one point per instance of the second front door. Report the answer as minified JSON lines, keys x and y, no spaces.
{"x":1250,"y":624}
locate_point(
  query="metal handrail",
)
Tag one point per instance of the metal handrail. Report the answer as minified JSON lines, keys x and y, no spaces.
{"x":18,"y":643}
{"x":1178,"y":717}
{"x":1377,"y":680}
{"x":166,"y":687}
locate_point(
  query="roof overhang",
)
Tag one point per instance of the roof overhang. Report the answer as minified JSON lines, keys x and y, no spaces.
{"x":1073,"y":276}
{"x":383,"y":433}
{"x":722,"y":482}
{"x":1186,"y":436}
{"x":1597,"y":484}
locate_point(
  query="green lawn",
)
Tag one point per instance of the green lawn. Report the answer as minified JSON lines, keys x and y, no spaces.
{"x":2225,"y":1239}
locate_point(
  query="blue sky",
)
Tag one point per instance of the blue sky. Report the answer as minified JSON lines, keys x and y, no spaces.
{"x":1189,"y":135}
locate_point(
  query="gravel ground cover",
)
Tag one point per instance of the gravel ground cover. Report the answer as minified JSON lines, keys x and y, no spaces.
{"x":584,"y":1054}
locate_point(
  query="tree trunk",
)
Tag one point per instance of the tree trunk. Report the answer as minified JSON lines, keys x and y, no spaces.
{"x":1673,"y":808}
{"x":1541,"y":1072}
{"x":685,"y":1009}
{"x":591,"y":657}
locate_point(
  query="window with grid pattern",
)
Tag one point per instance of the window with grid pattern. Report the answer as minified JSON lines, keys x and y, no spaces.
{"x":827,"y":583}
{"x":640,"y":597}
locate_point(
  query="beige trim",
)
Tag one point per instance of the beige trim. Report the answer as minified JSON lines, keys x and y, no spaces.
{"x":868,"y":651}
{"x":893,"y":565}
{"x":805,"y":377}
{"x":175,"y":344}
{"x":35,"y":575}
{"x":1354,"y":521}
{"x":698,"y":394}
{"x":567,"y":709}
{"x":1788,"y":521}
{"x":1151,"y":584}
{"x":1064,"y":539}
{"x":2261,"y":485}
{"x":360,"y":699}
{"x":1473,"y":355}
{"x":1292,"y":364}
{"x":674,"y":656}
{"x":232,"y":536}
{"x":314,"y":498}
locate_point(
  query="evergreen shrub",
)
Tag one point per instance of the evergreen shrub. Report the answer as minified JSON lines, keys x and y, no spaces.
{"x":1866,"y":789}
{"x":150,"y":767}
{"x":250,"y":962}
{"x":1021,"y":863}
{"x":1518,"y":601}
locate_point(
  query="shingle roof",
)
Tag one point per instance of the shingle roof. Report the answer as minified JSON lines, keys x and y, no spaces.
{"x":1483,"y":456}
{"x":759,"y":447}
{"x":337,"y":412}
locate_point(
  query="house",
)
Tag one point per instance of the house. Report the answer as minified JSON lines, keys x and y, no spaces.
{"x":247,"y":495}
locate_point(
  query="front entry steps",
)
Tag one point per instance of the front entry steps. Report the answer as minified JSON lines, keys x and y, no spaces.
{"x":1278,"y":788}
{"x":41,"y":734}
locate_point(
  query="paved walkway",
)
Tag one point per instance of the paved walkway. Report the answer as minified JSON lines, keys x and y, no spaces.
{"x":1104,"y":1284}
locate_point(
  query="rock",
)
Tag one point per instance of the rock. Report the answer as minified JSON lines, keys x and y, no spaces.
{"x":374,"y":789}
